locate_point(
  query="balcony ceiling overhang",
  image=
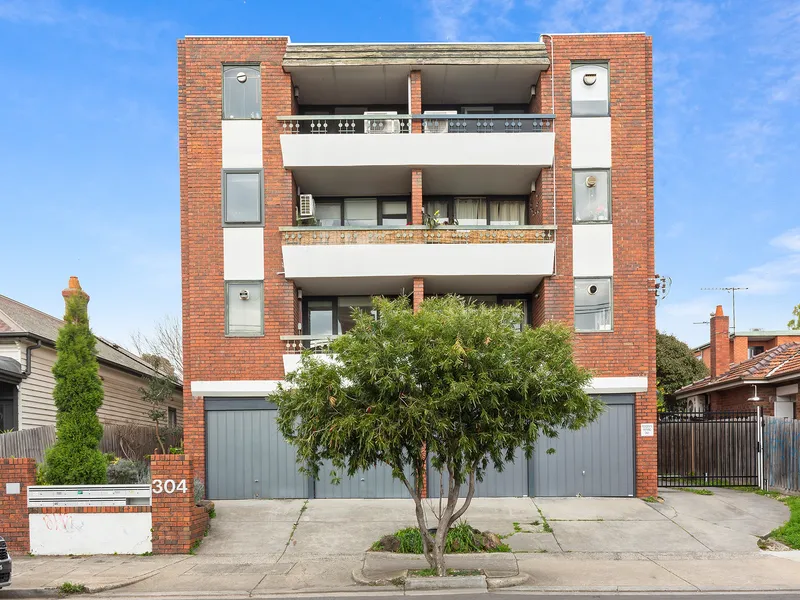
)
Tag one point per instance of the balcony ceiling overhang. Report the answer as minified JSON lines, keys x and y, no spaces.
{"x":359,"y":74}
{"x":436,"y":180}
{"x":391,"y":286}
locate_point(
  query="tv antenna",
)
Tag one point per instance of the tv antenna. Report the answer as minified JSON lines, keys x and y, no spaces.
{"x":701,"y":322}
{"x":732,"y":290}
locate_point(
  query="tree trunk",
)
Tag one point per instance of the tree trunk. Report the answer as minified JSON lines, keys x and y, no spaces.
{"x":160,"y":441}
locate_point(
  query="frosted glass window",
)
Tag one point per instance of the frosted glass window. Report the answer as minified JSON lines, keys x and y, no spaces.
{"x":470,"y":211}
{"x":347,"y":304}
{"x":394,"y":213}
{"x":242,"y":198}
{"x":507,"y":212}
{"x":593,"y":306}
{"x":244,"y":308}
{"x":361,"y":212}
{"x":241,"y":93}
{"x":591,"y":196}
{"x":590,"y":90}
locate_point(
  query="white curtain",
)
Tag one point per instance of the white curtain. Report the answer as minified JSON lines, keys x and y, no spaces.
{"x":508,"y":212}
{"x":471,"y":211}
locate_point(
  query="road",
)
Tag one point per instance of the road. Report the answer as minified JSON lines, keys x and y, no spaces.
{"x":483,"y":596}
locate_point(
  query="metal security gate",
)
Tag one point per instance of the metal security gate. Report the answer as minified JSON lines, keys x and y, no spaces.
{"x":597,"y":460}
{"x":708,"y":448}
{"x":246,"y":455}
{"x":512,"y":481}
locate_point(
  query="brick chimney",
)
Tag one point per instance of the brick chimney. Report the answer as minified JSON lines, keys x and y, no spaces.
{"x":74,"y":287}
{"x":720,"y":343}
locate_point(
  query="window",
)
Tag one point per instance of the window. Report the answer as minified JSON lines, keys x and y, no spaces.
{"x":470,"y":211}
{"x":499,"y":211}
{"x":590,"y":90}
{"x":242,"y":197}
{"x":591,"y":196}
{"x":593,"y":305}
{"x":333,"y":316}
{"x":754,"y":351}
{"x":346,"y":305}
{"x":244,"y":308}
{"x":241,"y":92}
{"x":362,"y":212}
{"x":172,"y":417}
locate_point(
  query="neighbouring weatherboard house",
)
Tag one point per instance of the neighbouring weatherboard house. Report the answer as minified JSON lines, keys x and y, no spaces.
{"x":27,"y":356}
{"x":314,"y":176}
{"x":768,"y":379}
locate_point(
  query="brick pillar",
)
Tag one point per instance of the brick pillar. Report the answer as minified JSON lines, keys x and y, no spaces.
{"x":720,"y":343}
{"x":419,"y":296}
{"x":194,"y":430}
{"x":177,"y":522}
{"x":416,"y":99}
{"x":14,"y":524}
{"x":646,"y":447}
{"x":416,"y":196}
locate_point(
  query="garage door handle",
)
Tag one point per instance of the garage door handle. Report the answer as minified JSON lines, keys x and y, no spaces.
{"x":583,"y":472}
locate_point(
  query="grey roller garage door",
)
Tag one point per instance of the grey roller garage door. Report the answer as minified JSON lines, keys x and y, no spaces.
{"x":511,"y":481}
{"x":246,"y":456}
{"x":597,"y":460}
{"x":374,"y":483}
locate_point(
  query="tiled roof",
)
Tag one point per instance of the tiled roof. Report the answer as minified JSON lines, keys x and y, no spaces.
{"x":16,"y":317}
{"x":776,"y":362}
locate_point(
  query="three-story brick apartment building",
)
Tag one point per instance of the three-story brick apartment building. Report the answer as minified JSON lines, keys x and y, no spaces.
{"x":316,"y":175}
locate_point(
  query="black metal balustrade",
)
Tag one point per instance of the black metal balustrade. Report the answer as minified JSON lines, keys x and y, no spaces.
{"x":402,"y":124}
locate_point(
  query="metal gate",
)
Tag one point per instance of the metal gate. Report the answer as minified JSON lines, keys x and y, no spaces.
{"x":597,"y":460}
{"x":706,"y":449}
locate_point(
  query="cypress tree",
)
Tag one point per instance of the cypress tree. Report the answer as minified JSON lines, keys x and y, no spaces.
{"x":75,"y":459}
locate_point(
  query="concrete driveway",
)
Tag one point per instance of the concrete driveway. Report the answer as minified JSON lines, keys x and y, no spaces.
{"x":728,"y":521}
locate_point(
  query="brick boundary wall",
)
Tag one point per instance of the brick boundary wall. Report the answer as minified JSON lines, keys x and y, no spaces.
{"x":177,"y":522}
{"x":15,"y":527}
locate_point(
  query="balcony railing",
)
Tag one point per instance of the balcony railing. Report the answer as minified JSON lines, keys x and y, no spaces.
{"x":417,"y":234}
{"x":394,"y":124}
{"x":319,"y":344}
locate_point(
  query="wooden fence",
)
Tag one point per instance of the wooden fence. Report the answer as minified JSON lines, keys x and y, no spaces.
{"x":782,"y":453}
{"x":125,"y":441}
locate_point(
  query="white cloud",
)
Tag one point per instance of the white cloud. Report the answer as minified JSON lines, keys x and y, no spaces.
{"x":789,"y":240}
{"x":777,"y":275}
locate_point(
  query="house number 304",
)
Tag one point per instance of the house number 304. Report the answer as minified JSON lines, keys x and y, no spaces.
{"x":168,"y":486}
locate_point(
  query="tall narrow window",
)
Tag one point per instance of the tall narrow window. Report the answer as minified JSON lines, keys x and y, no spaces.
{"x":593,"y":305}
{"x":507,"y":212}
{"x":361,"y":212}
{"x":241,"y":92}
{"x":591,"y":196}
{"x":347,"y":305}
{"x":172,"y":416}
{"x":329,"y":214}
{"x":394,"y":213}
{"x":242,"y":197}
{"x":244,"y":308}
{"x":590,"y":90}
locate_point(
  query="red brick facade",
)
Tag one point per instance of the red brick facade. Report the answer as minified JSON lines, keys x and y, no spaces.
{"x":14,"y":526}
{"x":627,"y":351}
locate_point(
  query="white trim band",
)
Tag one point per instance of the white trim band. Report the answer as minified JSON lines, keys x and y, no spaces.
{"x":616,"y":385}
{"x":234,"y":389}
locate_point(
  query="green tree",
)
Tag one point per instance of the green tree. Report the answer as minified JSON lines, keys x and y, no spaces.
{"x":795,"y":322}
{"x":455,"y":380}
{"x":75,"y":459}
{"x":157,"y":393}
{"x":676,"y":366}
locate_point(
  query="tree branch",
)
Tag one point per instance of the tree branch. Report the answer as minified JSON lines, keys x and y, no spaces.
{"x":465,"y":506}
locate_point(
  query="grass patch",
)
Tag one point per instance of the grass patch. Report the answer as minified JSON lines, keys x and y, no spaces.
{"x":148,"y":553}
{"x":517,"y":528}
{"x":650,"y":499}
{"x":212,"y":514}
{"x":698,"y":491}
{"x":195,"y":545}
{"x":545,"y":525}
{"x":789,"y":532}
{"x":461,"y":539}
{"x":72,"y":588}
{"x":296,"y":523}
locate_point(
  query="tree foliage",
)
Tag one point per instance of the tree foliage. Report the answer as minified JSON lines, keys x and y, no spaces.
{"x":455,"y":380}
{"x":75,"y":459}
{"x":795,"y":322}
{"x":676,"y":366}
{"x":157,"y":393}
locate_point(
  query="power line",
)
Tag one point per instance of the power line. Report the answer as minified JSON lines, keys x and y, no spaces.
{"x":732,"y":290}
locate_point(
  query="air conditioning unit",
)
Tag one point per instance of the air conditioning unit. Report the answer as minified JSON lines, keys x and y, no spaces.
{"x":306,"y":206}
{"x":381,"y":125}
{"x":438,"y":124}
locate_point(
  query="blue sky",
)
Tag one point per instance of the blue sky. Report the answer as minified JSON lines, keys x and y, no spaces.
{"x":88,"y":138}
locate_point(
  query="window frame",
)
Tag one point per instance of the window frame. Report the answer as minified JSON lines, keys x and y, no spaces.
{"x":172,"y":416}
{"x":451,"y":207}
{"x":261,"y":207}
{"x":227,"y":308}
{"x":249,"y":65}
{"x":339,"y":201}
{"x":610,"y":281}
{"x":583,"y":63}
{"x":610,"y":219}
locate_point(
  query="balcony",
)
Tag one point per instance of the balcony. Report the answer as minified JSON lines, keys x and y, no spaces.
{"x":361,"y":154}
{"x":385,"y":260}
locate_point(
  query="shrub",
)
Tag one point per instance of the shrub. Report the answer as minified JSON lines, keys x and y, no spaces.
{"x":199,"y":491}
{"x":123,"y":472}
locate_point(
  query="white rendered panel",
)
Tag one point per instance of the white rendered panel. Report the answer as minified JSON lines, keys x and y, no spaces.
{"x":592,"y":250}
{"x":591,"y":143}
{"x":90,"y":533}
{"x":243,"y":249}
{"x":242,"y":147}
